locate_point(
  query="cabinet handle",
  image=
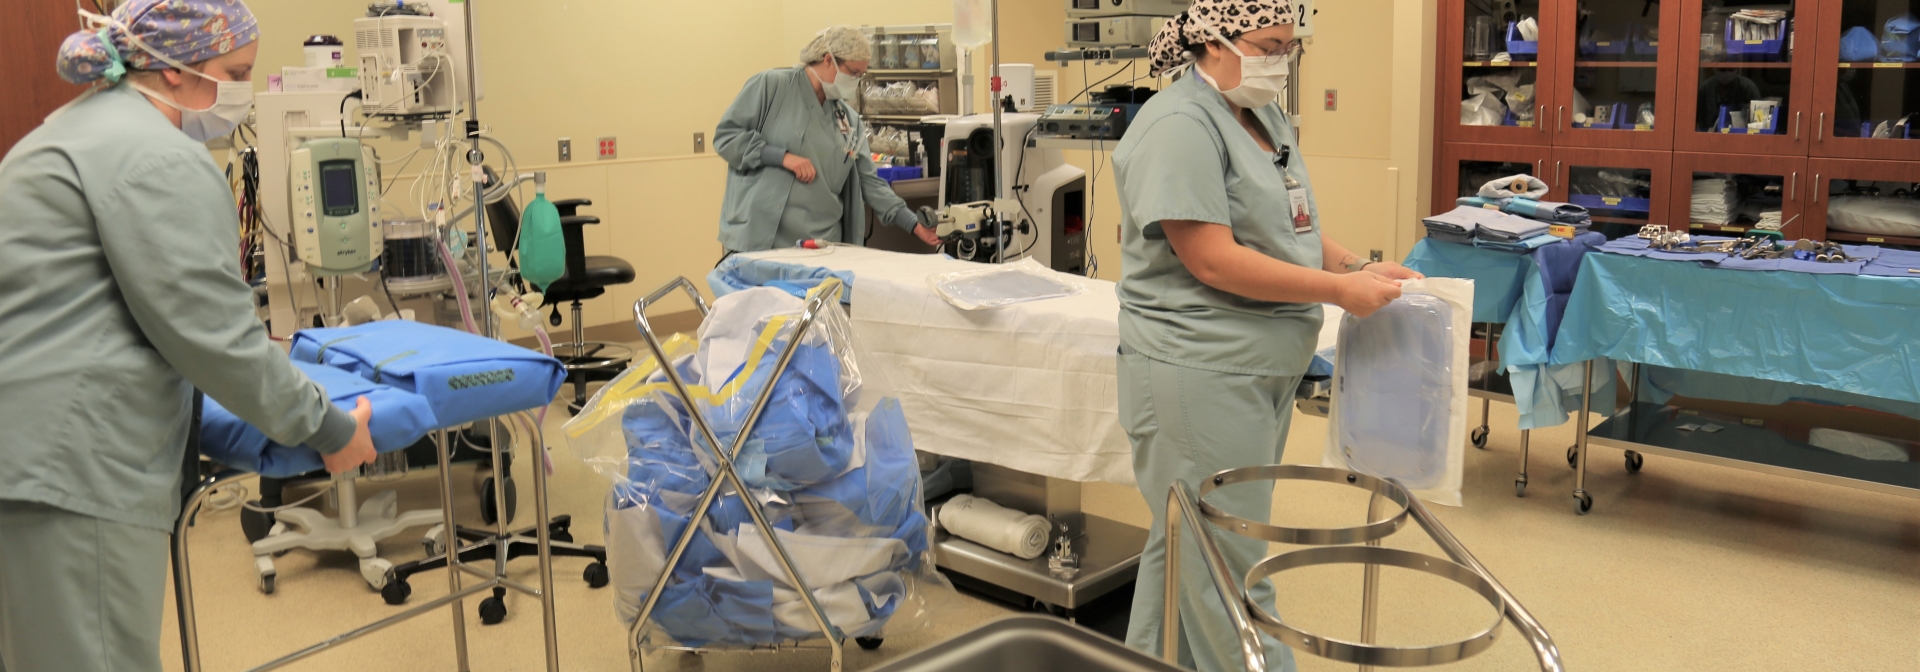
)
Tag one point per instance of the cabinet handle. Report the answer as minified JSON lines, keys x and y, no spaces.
{"x":1537,"y":167}
{"x":1816,"y":187}
{"x":1556,"y":172}
{"x":1542,"y":117}
{"x":1796,"y":127}
{"x":1820,"y":132}
{"x":1793,"y":188}
{"x":1562,"y":117}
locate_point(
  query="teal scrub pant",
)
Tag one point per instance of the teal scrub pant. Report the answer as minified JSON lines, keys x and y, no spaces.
{"x":78,"y":593}
{"x":1187,"y":424}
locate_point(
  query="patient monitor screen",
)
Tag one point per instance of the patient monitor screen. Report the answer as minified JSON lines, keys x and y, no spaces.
{"x":337,"y":194}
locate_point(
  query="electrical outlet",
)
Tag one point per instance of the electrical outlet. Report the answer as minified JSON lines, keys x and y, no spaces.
{"x":699,"y":143}
{"x":1375,"y":255}
{"x":1333,"y":99}
{"x":609,"y":148}
{"x":566,"y":149}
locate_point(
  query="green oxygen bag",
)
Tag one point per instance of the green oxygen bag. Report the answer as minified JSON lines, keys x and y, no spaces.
{"x":543,"y":247}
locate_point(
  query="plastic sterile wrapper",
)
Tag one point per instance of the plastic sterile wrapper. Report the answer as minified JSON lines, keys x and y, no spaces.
{"x":1003,"y":285}
{"x":830,"y":462}
{"x":1400,"y":390}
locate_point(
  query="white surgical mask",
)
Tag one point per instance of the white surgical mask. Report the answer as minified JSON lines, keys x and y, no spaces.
{"x":1262,"y":78}
{"x":230,"y":107}
{"x":843,"y":87}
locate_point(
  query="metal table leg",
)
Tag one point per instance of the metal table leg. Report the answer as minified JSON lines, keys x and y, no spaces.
{"x":1584,"y":500}
{"x":1520,"y":482}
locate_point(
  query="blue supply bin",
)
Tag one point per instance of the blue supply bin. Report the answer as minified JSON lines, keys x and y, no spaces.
{"x":1720,"y":125}
{"x":1645,"y":46}
{"x":897,"y":173}
{"x":1756,"y":50}
{"x":1616,"y":121}
{"x":1621,"y":207}
{"x":1613,"y":47}
{"x":1517,"y":47}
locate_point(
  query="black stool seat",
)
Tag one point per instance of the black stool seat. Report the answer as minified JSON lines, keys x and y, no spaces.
{"x":600,"y":272}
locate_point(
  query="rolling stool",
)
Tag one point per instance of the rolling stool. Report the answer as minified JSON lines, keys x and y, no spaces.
{"x":586,"y":278}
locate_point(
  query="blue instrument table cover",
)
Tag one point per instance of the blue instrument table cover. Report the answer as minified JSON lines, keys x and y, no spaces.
{"x":465,"y":377}
{"x":399,"y":419}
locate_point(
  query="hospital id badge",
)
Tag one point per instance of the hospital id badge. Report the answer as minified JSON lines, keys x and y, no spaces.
{"x":1302,"y":214}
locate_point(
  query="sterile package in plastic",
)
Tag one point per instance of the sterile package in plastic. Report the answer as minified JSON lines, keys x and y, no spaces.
{"x":829,"y":461}
{"x":1003,"y":285}
{"x":1400,"y":390}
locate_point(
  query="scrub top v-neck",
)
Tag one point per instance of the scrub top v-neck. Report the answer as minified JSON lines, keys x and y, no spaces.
{"x":1186,"y":157}
{"x":814,"y":209}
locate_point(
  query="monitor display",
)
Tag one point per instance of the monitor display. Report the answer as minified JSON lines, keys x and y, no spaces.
{"x":339,"y":196}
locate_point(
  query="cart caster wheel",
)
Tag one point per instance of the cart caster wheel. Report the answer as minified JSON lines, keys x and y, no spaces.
{"x":1635,"y":461}
{"x":1585,"y":503}
{"x":266,"y":584}
{"x":596,"y":575}
{"x":1049,"y":609}
{"x":1520,"y":488}
{"x":396,"y":591}
{"x":489,"y":511}
{"x":868,"y":643}
{"x":255,"y":524}
{"x":561,"y":536}
{"x":1479,"y":437}
{"x":1573,"y":457}
{"x":493,"y":610}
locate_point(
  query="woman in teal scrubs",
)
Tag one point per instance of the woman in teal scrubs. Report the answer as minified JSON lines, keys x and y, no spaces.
{"x":797,"y":154}
{"x":1225,"y":268}
{"x":120,"y":293}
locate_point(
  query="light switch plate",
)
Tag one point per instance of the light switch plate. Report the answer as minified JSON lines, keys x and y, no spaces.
{"x":609,"y":148}
{"x":566,"y":149}
{"x":699,"y":143}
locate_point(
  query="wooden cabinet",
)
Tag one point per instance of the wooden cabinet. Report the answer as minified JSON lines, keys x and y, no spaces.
{"x":1768,"y":98}
{"x":1745,"y":187}
{"x":1851,"y":180}
{"x":30,"y":35}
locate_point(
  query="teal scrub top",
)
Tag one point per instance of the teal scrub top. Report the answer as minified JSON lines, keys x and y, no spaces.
{"x":814,"y":209}
{"x":1185,"y":157}
{"x":120,"y":293}
{"x":777,"y":112}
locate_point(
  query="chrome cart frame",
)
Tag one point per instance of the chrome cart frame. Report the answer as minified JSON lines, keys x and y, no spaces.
{"x":1332,"y":546}
{"x":456,"y":594}
{"x":826,"y":297}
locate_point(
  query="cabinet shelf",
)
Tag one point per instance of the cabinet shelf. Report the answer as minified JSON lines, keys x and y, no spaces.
{"x":1889,"y":66}
{"x":1871,"y":239}
{"x":1491,"y":64}
{"x":1745,"y":64}
{"x":1615,"y":64}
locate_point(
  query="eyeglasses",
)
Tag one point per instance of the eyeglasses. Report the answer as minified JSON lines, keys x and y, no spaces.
{"x":1272,"y":56}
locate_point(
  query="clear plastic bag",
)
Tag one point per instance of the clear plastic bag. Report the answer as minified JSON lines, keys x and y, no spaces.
{"x":1003,"y":285}
{"x":830,"y":462}
{"x":1400,"y":390}
{"x":902,"y":98}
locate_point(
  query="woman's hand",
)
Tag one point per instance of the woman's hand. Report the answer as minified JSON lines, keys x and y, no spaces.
{"x":359,"y":451}
{"x":1393,"y":271}
{"x":926,"y":235}
{"x":800,"y":167}
{"x":1364,"y":293}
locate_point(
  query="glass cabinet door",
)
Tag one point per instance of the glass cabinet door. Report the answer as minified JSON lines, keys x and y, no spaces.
{"x":1869,"y":87}
{"x":1622,"y":189}
{"x":1731,"y":193}
{"x":1745,"y":86}
{"x":1868,"y":202}
{"x":1494,"y":63}
{"x":1464,"y":167}
{"x":1614,"y":91}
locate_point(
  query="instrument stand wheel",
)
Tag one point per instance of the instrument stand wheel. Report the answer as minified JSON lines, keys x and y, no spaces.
{"x":255,"y":524}
{"x":596,"y":575}
{"x":1573,"y":457}
{"x":1635,"y":461}
{"x":489,"y":510}
{"x":1479,"y":437}
{"x":266,"y":584}
{"x":868,"y":643}
{"x":1584,"y":503}
{"x":396,"y":591}
{"x":1052,"y":610}
{"x":561,"y":534}
{"x":493,"y":610}
{"x":1520,"y":486}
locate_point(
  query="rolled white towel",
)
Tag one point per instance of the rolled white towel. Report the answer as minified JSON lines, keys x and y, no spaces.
{"x":997,"y":527}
